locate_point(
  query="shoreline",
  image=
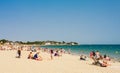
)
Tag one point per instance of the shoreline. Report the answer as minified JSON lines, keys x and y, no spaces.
{"x":114,"y":54}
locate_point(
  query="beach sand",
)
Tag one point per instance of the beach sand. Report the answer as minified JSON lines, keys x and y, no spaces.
{"x":65,"y":64}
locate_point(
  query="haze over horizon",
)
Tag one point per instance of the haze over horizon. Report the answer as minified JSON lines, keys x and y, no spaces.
{"x":82,"y":21}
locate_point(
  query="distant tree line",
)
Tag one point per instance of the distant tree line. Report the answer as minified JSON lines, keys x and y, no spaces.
{"x":40,"y":42}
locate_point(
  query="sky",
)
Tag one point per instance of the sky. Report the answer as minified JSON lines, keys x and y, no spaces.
{"x":82,"y":21}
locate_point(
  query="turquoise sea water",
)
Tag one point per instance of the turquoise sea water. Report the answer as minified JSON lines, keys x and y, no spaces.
{"x":111,"y":50}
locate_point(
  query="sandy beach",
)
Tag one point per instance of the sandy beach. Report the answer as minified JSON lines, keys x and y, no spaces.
{"x":59,"y":36}
{"x":65,"y":64}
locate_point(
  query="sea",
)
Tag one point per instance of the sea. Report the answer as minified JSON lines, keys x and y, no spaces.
{"x":110,"y":50}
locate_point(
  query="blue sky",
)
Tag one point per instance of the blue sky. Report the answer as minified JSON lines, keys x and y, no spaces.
{"x":83,"y":21}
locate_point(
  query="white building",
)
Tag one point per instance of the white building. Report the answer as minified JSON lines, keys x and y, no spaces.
{"x":48,"y":43}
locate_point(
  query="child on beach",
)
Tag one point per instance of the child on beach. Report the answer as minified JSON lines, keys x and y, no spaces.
{"x":30,"y":56}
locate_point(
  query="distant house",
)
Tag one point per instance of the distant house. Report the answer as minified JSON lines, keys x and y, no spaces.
{"x":56,"y":43}
{"x":72,"y":43}
{"x":47,"y":43}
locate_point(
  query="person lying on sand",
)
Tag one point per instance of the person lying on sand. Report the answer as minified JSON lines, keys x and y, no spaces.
{"x":105,"y":61}
{"x":37,"y":57}
{"x":82,"y":57}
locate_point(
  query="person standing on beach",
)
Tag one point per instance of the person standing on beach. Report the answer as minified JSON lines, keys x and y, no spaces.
{"x":69,"y":51}
{"x":51,"y":54}
{"x":19,"y":52}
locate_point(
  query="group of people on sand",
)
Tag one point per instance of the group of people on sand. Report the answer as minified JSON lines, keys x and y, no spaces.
{"x":30,"y":56}
{"x":52,"y":53}
{"x":35,"y":56}
{"x":100,"y":60}
{"x":97,"y":58}
{"x":56,"y":53}
{"x":10,"y":47}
